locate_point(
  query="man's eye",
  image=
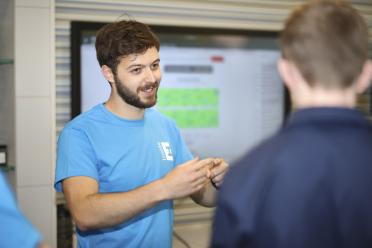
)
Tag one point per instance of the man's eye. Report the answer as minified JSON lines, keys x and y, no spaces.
{"x":136,"y":70}
{"x":155,"y":66}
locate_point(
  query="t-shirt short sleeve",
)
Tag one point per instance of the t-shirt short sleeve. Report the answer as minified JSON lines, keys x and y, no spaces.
{"x":75,"y":157}
{"x":15,"y":229}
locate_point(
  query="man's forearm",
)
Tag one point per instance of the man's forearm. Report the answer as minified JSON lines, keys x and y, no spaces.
{"x":105,"y":210}
{"x":206,"y":196}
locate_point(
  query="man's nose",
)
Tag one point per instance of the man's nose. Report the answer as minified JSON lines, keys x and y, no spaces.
{"x":150,"y":75}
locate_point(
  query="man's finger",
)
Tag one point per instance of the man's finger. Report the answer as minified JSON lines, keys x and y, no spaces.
{"x":191,"y":161}
{"x":217,"y":170}
{"x":203,"y":163}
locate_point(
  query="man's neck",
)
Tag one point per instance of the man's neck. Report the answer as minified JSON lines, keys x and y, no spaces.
{"x":326,"y":98}
{"x":119,"y":107}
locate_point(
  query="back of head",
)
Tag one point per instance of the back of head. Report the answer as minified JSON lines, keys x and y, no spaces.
{"x":120,"y":39}
{"x":328,"y":42}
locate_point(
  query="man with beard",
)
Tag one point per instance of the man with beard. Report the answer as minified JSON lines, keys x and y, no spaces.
{"x":122,"y":163}
{"x":310,"y":185}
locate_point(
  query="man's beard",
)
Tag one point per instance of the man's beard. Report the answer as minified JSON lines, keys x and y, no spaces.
{"x":131,"y":97}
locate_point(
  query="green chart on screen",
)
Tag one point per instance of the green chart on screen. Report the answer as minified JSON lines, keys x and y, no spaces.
{"x":190,"y":107}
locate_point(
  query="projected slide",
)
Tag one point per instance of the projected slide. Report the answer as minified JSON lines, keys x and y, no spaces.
{"x":225,"y":100}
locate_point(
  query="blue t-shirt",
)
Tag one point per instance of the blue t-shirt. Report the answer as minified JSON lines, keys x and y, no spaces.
{"x":15,"y":230}
{"x":122,"y":155}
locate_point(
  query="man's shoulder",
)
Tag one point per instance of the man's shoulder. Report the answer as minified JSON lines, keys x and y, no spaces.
{"x":268,"y":152}
{"x":83,"y":120}
{"x":259,"y":166}
{"x":256,"y":154}
{"x":288,"y":149}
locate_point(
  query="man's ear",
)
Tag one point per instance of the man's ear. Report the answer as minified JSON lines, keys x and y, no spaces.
{"x":285,"y":71}
{"x":107,"y":73}
{"x":291,"y":75}
{"x":364,"y":79}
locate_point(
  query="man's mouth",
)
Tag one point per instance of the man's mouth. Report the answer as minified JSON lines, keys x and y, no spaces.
{"x":149,"y":89}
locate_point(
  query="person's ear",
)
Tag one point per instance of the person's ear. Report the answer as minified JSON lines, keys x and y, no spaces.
{"x":286,"y":72}
{"x":107,"y":73}
{"x":364,"y":79}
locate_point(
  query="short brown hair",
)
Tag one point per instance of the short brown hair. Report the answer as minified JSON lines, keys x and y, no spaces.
{"x":328,"y":42}
{"x":120,"y":39}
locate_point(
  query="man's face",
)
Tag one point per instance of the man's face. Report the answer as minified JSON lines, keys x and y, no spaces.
{"x":138,"y":77}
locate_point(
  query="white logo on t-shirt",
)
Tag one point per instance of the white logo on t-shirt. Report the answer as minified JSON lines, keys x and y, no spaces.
{"x":166,"y":152}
